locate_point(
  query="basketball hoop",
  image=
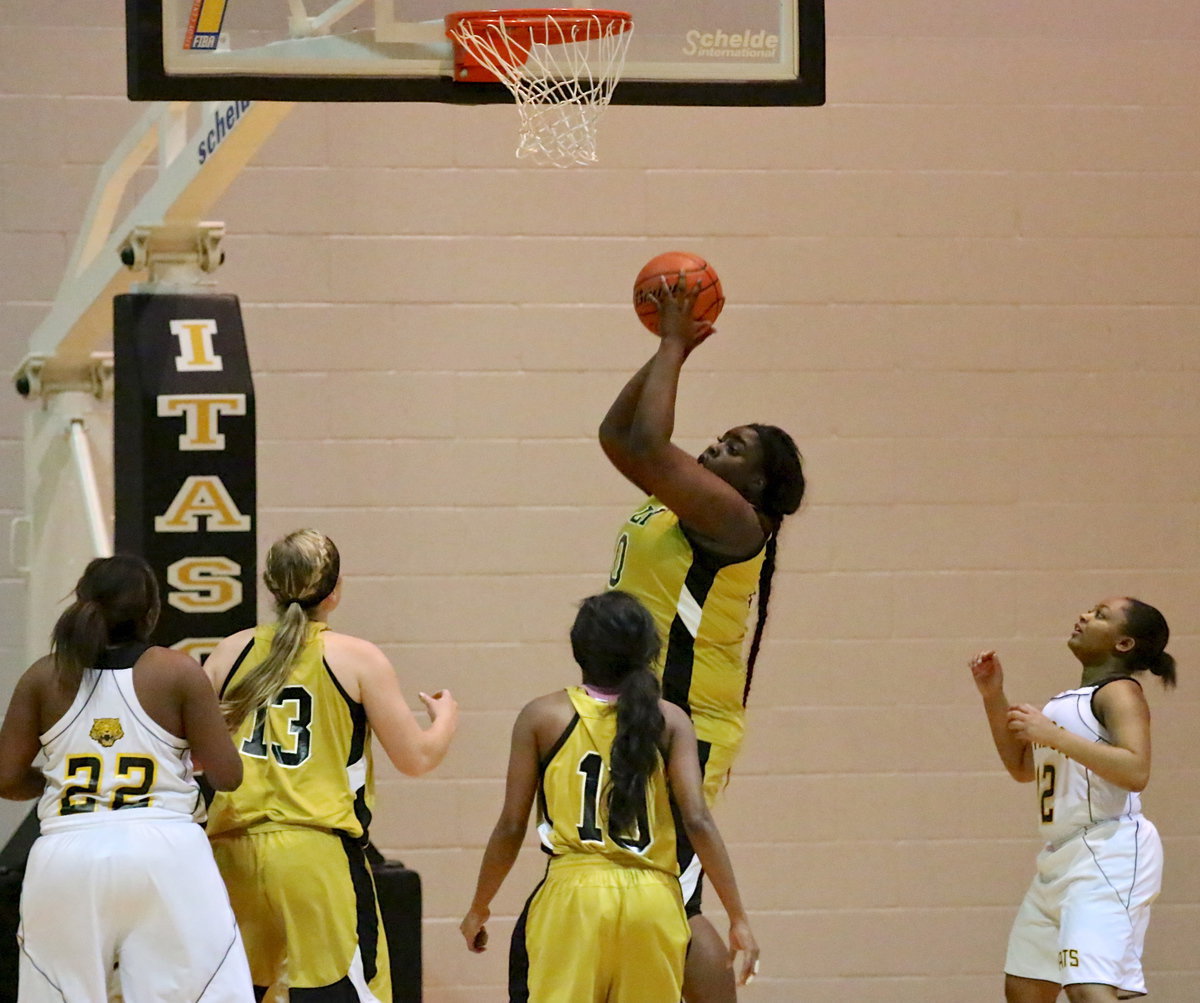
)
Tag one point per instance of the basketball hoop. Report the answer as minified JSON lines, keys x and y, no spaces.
{"x":561,"y":65}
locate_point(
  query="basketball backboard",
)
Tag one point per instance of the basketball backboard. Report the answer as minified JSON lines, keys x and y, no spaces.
{"x":703,"y":52}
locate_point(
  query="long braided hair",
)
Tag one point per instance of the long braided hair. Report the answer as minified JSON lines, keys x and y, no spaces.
{"x":783,"y":470}
{"x":615,"y":642}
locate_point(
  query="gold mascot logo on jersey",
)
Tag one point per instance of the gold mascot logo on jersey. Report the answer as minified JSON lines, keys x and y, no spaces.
{"x":106,"y":730}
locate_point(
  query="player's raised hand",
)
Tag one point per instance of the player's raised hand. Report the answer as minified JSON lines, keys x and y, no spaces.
{"x":440,"y":703}
{"x":987,"y":673}
{"x":676,"y":309}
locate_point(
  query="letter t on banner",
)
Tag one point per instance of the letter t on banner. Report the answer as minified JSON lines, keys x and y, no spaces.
{"x":184,"y":460}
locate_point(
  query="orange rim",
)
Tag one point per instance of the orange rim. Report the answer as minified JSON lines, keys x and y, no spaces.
{"x":521,"y":28}
{"x":536,"y":21}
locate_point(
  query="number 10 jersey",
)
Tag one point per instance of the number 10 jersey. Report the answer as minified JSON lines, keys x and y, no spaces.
{"x":572,"y":798}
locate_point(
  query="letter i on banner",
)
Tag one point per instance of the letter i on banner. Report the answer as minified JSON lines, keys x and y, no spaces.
{"x":184,"y":460}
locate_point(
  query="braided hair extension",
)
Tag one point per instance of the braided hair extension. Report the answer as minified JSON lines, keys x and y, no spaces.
{"x":783,"y":469}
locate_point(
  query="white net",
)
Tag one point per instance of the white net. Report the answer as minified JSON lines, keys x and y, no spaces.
{"x":560,"y":70}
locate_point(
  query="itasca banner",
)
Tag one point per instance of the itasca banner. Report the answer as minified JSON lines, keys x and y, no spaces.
{"x":184,"y":460}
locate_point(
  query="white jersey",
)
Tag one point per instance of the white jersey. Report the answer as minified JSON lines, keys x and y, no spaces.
{"x":1070,"y":796}
{"x":106,"y":760}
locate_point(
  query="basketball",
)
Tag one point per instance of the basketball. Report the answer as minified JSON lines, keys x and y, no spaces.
{"x":696,"y":273}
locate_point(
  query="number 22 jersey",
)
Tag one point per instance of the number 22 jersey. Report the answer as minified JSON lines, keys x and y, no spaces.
{"x":107,"y":760}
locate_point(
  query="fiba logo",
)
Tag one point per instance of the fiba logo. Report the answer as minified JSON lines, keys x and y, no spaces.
{"x":743,"y":44}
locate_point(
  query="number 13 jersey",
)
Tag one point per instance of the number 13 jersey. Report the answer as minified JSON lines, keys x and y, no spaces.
{"x":572,"y":797}
{"x":307,"y":757}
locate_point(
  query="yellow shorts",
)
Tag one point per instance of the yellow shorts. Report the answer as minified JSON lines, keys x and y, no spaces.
{"x":597,"y":932}
{"x":716,"y":762}
{"x":305,"y":902}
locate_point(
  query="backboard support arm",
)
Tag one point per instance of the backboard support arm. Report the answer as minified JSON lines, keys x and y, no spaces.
{"x":66,"y":374}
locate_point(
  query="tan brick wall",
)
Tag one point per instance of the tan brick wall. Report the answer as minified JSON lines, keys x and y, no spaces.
{"x":968,"y":285}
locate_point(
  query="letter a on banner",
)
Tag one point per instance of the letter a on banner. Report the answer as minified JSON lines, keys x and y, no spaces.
{"x":184,"y":459}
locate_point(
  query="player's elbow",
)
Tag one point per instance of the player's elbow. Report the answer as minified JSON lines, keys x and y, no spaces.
{"x":415,"y":762}
{"x":411,"y":767}
{"x":19,"y":789}
{"x":629,"y":444}
{"x":510,"y":828}
{"x":614,"y":442}
{"x":1138,"y":781}
{"x":225,"y":776}
{"x":20,"y":782}
{"x":698,"y":822}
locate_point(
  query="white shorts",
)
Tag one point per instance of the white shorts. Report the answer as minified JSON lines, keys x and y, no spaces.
{"x":1085,"y":914}
{"x":143,"y":896}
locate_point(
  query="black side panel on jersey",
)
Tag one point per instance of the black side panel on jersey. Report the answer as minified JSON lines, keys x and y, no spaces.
{"x":553,"y":751}
{"x":681,"y":645}
{"x":237,"y":664}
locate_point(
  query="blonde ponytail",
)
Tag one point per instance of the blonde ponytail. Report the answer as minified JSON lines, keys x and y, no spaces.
{"x":302,"y":569}
{"x":263,"y":682}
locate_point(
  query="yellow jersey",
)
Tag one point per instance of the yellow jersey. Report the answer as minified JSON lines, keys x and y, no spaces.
{"x":306,"y":758}
{"x":572,"y":796}
{"x":701,"y":603}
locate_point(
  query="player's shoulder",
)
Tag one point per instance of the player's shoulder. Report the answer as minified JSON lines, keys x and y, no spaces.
{"x":347,"y":647}
{"x":673,"y":714}
{"x":544,"y":720}
{"x":677,"y":726}
{"x":551,"y":710}
{"x":547,"y":704}
{"x":171,"y":658}
{"x":40,"y":671}
{"x":1118,"y":691}
{"x":158,"y":667}
{"x":228,"y":648}
{"x":35,"y":680}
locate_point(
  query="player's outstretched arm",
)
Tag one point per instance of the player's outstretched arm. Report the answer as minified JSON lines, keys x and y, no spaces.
{"x":683,"y":771}
{"x":1015,"y":752}
{"x":676,"y":326}
{"x":19,"y":746}
{"x":636,"y":437}
{"x":505,"y":841}
{"x":412,"y":749}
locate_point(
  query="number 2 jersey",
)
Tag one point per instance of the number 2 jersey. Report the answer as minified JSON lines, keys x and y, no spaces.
{"x":107,"y":760}
{"x":307,"y":757}
{"x":1070,"y":796}
{"x":572,"y":817}
{"x":701,"y":603}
